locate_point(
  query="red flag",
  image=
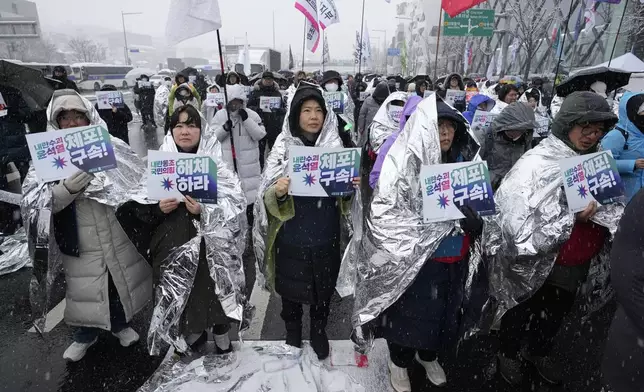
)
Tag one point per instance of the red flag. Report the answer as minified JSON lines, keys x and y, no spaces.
{"x":455,"y":7}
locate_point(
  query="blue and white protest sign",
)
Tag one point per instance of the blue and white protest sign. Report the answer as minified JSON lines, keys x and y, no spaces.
{"x":591,"y":177}
{"x":482,"y":120}
{"x":215,"y":100}
{"x":175,"y":175}
{"x":454,"y":97}
{"x":335,"y":101}
{"x":58,"y":154}
{"x":107,"y":99}
{"x":323,"y":172}
{"x":447,"y":187}
{"x":268,"y":104}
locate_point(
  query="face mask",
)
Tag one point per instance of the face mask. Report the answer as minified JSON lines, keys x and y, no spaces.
{"x":168,"y":83}
{"x":331,"y":87}
{"x":395,"y":112}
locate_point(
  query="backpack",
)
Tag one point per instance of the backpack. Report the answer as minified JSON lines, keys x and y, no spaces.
{"x":625,"y":135}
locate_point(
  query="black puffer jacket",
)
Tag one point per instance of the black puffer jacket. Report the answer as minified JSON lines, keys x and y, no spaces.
{"x":13,"y":144}
{"x":501,"y":152}
{"x":273,"y":120}
{"x":65,"y":83}
{"x":623,"y":363}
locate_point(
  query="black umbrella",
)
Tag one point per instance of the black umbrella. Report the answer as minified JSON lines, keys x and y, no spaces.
{"x":254,"y":78}
{"x":582,"y":79}
{"x":35,"y":89}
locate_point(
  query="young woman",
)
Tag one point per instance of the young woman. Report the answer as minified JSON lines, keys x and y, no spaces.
{"x":297,"y":239}
{"x":173,"y":225}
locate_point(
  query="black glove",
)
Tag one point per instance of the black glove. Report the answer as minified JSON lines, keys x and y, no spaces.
{"x":472,"y":224}
{"x":243,"y":114}
{"x":228,"y":126}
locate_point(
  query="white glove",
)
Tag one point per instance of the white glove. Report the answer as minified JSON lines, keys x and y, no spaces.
{"x":77,"y":181}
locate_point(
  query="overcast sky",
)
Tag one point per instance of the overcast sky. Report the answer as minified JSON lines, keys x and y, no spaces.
{"x":238,"y":16}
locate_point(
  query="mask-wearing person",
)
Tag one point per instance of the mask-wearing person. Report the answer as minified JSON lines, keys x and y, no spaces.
{"x":117,"y":119}
{"x":108,"y":281}
{"x":626,"y":142}
{"x":302,"y":260}
{"x":272,"y":117}
{"x":534,"y":308}
{"x":167,"y":81}
{"x":145,"y":93}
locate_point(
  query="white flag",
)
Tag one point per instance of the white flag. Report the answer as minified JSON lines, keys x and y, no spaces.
{"x":190,"y":18}
{"x":514,"y":47}
{"x":366,"y":43}
{"x":499,"y":61}
{"x":246,"y":57}
{"x":590,"y":17}
{"x":310,"y":11}
{"x":328,"y":13}
{"x":490,"y":68}
{"x":326,"y":58}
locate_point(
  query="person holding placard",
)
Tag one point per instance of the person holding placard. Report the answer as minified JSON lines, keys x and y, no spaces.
{"x":266,"y":100}
{"x":209,"y":109}
{"x":421,"y":87}
{"x":626,"y":142}
{"x":296,"y":238}
{"x":116,"y":118}
{"x":107,"y":280}
{"x":509,"y":137}
{"x":478,"y":102}
{"x":145,"y":91}
{"x":181,"y":79}
{"x":199,"y":243}
{"x":332,"y":84}
{"x":541,"y":253}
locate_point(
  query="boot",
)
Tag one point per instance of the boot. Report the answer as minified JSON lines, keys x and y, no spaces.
{"x":294,"y":333}
{"x":319,"y":340}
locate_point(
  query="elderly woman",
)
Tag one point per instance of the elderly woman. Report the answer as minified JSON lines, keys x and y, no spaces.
{"x":108,"y":282}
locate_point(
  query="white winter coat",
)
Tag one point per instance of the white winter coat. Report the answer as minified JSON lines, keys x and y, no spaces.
{"x":246,"y":136}
{"x":103,"y":247}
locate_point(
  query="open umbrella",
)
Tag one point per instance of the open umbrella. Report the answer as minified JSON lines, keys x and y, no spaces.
{"x":582,"y":79}
{"x":254,"y":78}
{"x":35,"y":89}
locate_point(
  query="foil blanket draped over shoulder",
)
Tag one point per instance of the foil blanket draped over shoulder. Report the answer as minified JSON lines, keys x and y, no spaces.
{"x":111,"y":188}
{"x":223,"y":227}
{"x":523,"y":240}
{"x":276,"y":167}
{"x":396,"y":243}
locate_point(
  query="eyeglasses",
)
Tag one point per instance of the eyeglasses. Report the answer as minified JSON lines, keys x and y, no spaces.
{"x":592,"y":130}
{"x":75,"y":117}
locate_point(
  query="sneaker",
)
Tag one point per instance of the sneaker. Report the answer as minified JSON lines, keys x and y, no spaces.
{"x":319,"y":339}
{"x":434,"y":370}
{"x":547,"y":368}
{"x":76,"y":351}
{"x":399,"y":378}
{"x":223,"y":341}
{"x":510,"y":369}
{"x":127,"y":337}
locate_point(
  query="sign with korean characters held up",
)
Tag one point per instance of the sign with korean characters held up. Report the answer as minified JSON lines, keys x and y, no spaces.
{"x":323,"y":172}
{"x":454,"y":97}
{"x":482,"y":120}
{"x":591,"y":177}
{"x":215,"y":100}
{"x":268,"y":104}
{"x":448,"y":187}
{"x":336,"y":101}
{"x":175,"y":174}
{"x":58,"y":154}
{"x":107,"y":99}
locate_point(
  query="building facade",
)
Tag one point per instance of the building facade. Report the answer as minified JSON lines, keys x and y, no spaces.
{"x":19,"y":27}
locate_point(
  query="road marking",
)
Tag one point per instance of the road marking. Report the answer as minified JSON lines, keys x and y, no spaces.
{"x":54,"y":317}
{"x":259,"y":298}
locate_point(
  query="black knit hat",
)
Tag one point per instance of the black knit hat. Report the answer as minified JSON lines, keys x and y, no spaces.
{"x":331,"y":75}
{"x":268,"y":75}
{"x":304,"y":92}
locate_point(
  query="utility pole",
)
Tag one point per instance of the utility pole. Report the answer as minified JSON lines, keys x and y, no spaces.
{"x":273,"y":30}
{"x":127,"y":51}
{"x":386,"y":46}
{"x":505,"y":43}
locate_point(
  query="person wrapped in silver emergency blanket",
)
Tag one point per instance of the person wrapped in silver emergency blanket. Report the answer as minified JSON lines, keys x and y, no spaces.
{"x":540,"y":254}
{"x":411,"y":276}
{"x":195,"y":250}
{"x":72,"y":226}
{"x":298,"y":240}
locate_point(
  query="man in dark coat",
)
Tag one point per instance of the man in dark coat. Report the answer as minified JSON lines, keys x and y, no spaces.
{"x":624,"y":354}
{"x":60,"y":74}
{"x":145,"y":92}
{"x":116,"y":118}
{"x":508,"y":139}
{"x":273,"y":119}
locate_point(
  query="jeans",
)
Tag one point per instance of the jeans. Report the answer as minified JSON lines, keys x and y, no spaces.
{"x":117,"y":317}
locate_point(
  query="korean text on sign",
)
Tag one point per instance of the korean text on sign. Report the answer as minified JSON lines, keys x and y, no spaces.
{"x":338,"y":167}
{"x":335,"y":101}
{"x":109,"y":99}
{"x":175,"y":175}
{"x":268,"y":104}
{"x":193,"y":174}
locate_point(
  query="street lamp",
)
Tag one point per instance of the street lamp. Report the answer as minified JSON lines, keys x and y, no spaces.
{"x":127,"y":52}
{"x":386,"y":46}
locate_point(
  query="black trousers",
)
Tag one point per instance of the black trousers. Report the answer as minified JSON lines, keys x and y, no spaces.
{"x":404,"y":356}
{"x":292,"y":311}
{"x":538,"y":319}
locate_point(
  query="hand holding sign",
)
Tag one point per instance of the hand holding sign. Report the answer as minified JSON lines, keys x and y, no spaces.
{"x":281,"y":187}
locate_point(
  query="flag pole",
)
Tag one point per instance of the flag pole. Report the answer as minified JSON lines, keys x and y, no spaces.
{"x":221,"y":62}
{"x":619,"y":28}
{"x":361,"y":38}
{"x":323,"y":39}
{"x":304,"y":44}
{"x":563,"y":44}
{"x":438,"y":42}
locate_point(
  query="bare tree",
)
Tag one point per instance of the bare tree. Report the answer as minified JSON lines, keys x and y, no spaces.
{"x":532,"y":20}
{"x":87,"y":51}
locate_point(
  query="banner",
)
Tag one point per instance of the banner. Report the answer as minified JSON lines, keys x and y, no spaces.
{"x":171,"y":175}
{"x":143,"y":84}
{"x":448,"y":187}
{"x":323,"y":172}
{"x":328,"y":13}
{"x":326,"y":57}
{"x":454,"y":97}
{"x":107,"y":99}
{"x":544,"y":126}
{"x":215,"y":100}
{"x":455,"y":7}
{"x":268,"y":104}
{"x":291,"y":63}
{"x":310,"y":11}
{"x":58,"y":154}
{"x":336,"y":101}
{"x":482,"y":120}
{"x":190,"y":18}
{"x":591,"y":177}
